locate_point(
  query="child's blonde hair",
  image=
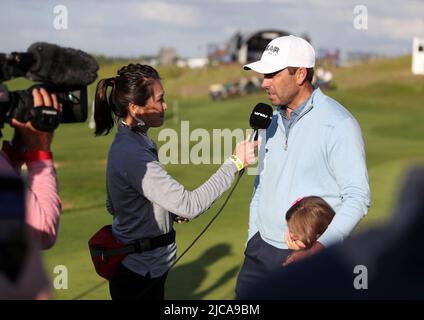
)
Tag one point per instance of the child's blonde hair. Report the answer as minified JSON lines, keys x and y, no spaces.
{"x":308,"y":218}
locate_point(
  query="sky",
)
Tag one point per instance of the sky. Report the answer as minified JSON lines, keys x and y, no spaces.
{"x":132,"y":28}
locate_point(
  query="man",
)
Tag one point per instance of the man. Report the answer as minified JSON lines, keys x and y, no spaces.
{"x":314,"y":147}
{"x":362,"y":267}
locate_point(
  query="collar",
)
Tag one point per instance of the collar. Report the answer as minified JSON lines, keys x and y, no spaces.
{"x":296,"y":112}
{"x":137,"y":128}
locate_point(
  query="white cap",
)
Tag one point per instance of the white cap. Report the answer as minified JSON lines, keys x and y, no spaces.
{"x":283,"y":52}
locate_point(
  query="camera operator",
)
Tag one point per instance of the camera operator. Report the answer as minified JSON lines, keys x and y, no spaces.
{"x":43,"y":204}
{"x":30,"y":214}
{"x":32,"y":147}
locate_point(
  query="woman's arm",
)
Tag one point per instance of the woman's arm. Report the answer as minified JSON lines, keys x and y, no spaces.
{"x":43,"y":204}
{"x":159,"y":187}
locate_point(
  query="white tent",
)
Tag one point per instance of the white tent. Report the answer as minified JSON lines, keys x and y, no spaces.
{"x":418,"y":56}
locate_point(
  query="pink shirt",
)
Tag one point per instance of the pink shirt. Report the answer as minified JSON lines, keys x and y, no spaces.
{"x":43,"y":204}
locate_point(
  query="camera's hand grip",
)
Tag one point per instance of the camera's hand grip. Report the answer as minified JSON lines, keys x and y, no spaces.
{"x":45,"y":119}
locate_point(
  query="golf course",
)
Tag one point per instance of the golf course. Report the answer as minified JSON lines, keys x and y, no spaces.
{"x":383,"y":95}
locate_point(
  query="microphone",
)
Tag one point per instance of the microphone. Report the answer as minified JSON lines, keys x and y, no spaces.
{"x":260,"y":118}
{"x":61,"y":66}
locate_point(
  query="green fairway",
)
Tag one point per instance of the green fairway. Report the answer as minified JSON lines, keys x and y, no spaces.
{"x":384,"y":97}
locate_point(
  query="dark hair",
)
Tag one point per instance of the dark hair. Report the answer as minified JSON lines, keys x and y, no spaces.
{"x":309,"y":73}
{"x":308,"y":218}
{"x":133,"y":84}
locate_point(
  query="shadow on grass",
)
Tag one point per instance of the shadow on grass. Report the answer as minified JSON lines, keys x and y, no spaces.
{"x":183,"y":281}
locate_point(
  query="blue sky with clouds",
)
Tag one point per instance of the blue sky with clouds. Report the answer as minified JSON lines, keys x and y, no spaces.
{"x":132,"y":28}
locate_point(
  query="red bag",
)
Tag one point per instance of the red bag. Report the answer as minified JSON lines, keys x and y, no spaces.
{"x":107,"y":253}
{"x":104,"y":259}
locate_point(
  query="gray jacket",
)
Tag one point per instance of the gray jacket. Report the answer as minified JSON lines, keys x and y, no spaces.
{"x":143,"y":197}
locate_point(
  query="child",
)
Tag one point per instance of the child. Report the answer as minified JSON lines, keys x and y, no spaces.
{"x":307,"y":219}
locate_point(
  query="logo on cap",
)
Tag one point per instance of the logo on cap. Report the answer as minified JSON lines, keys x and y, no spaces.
{"x":272,"y":50}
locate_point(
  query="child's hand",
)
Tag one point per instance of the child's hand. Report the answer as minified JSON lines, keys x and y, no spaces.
{"x":293,"y":243}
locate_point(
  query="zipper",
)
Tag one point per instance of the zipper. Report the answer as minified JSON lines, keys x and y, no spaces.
{"x":286,"y":146}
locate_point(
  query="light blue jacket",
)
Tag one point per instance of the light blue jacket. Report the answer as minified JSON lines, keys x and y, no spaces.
{"x":324,"y":156}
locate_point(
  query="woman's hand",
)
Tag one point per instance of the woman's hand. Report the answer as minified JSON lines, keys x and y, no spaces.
{"x":245,"y":151}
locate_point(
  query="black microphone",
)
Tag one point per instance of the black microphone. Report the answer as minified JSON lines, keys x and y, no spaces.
{"x":260,"y":118}
{"x":61,"y":66}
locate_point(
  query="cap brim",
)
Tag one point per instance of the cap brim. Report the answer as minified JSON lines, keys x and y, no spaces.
{"x":262,"y":67}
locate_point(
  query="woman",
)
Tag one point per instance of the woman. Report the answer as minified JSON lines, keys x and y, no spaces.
{"x":142,"y":197}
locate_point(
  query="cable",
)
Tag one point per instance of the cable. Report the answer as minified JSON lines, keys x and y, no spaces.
{"x":210,"y":222}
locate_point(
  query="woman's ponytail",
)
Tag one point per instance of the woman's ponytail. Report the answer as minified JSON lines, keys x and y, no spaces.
{"x":102,"y":109}
{"x":132,"y":85}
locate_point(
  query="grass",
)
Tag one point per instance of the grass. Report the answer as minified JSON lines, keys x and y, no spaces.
{"x":384,"y":97}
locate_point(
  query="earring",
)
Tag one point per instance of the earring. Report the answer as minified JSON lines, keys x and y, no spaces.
{"x":139,"y":121}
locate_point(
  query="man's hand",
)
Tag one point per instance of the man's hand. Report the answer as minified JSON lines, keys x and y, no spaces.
{"x":26,"y":137}
{"x":302,"y":254}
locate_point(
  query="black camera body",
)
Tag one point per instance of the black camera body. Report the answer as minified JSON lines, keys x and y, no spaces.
{"x":65,"y":72}
{"x":72,"y":100}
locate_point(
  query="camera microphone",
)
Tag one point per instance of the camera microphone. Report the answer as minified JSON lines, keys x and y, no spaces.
{"x":65,"y":72}
{"x":61,"y":66}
